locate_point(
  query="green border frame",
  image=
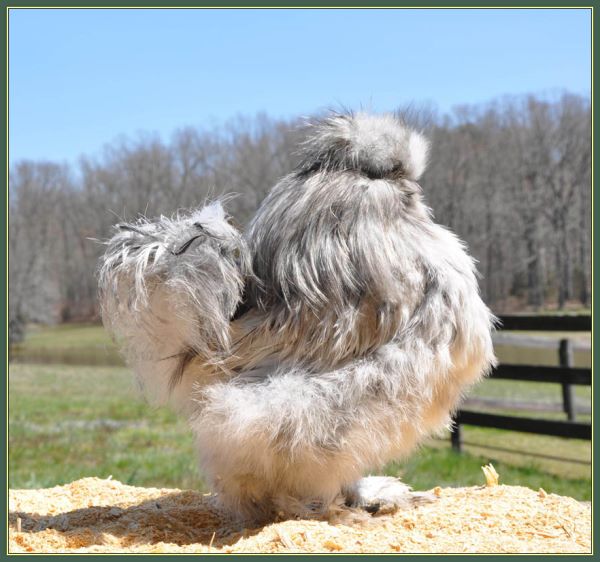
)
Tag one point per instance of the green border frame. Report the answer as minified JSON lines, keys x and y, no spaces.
{"x":331,"y":4}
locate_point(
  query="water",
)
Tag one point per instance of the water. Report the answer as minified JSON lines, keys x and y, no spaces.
{"x":100,"y":356}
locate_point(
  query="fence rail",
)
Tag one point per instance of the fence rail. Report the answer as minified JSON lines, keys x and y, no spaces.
{"x":565,"y":374}
{"x":534,"y":373}
{"x":540,"y":323}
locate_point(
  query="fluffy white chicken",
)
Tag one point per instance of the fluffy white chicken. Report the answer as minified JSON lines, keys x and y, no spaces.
{"x":329,"y":338}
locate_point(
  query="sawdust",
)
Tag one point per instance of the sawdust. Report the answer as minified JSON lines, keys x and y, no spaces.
{"x":491,"y":476}
{"x":94,"y":515}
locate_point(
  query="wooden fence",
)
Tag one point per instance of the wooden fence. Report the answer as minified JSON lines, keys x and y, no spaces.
{"x":564,"y":374}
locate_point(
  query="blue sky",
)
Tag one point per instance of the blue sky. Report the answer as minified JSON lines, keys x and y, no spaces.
{"x":81,"y":78}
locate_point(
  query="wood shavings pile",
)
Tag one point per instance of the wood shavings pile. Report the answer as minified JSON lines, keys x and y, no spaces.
{"x":94,"y":515}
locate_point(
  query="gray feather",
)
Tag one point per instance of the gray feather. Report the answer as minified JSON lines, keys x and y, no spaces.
{"x":364,"y":324}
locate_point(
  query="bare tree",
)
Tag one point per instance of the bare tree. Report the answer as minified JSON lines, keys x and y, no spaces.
{"x":34,"y":228}
{"x":512,"y":178}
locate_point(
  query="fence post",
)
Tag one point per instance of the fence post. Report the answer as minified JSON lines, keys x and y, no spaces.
{"x":565,"y":357}
{"x":455,"y":437}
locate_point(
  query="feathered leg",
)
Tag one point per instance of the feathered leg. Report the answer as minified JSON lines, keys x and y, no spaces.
{"x":384,"y":494}
{"x":168,"y":289}
{"x":293,"y":441}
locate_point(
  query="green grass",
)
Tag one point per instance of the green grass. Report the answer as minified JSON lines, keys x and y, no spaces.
{"x":523,"y":390}
{"x":441,"y":466}
{"x":68,"y":422}
{"x":546,"y":395}
{"x":59,"y":430}
{"x":521,"y":449}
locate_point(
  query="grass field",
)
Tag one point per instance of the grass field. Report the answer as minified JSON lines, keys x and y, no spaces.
{"x":71,"y":421}
{"x":67,"y":422}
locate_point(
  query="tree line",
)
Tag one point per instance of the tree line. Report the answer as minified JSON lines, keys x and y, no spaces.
{"x":512,"y":178}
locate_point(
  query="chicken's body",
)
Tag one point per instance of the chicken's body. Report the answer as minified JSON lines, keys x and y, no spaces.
{"x":363,"y":325}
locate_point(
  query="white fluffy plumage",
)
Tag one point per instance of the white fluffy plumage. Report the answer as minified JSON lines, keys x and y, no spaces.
{"x":380,"y":145}
{"x":361,"y":324}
